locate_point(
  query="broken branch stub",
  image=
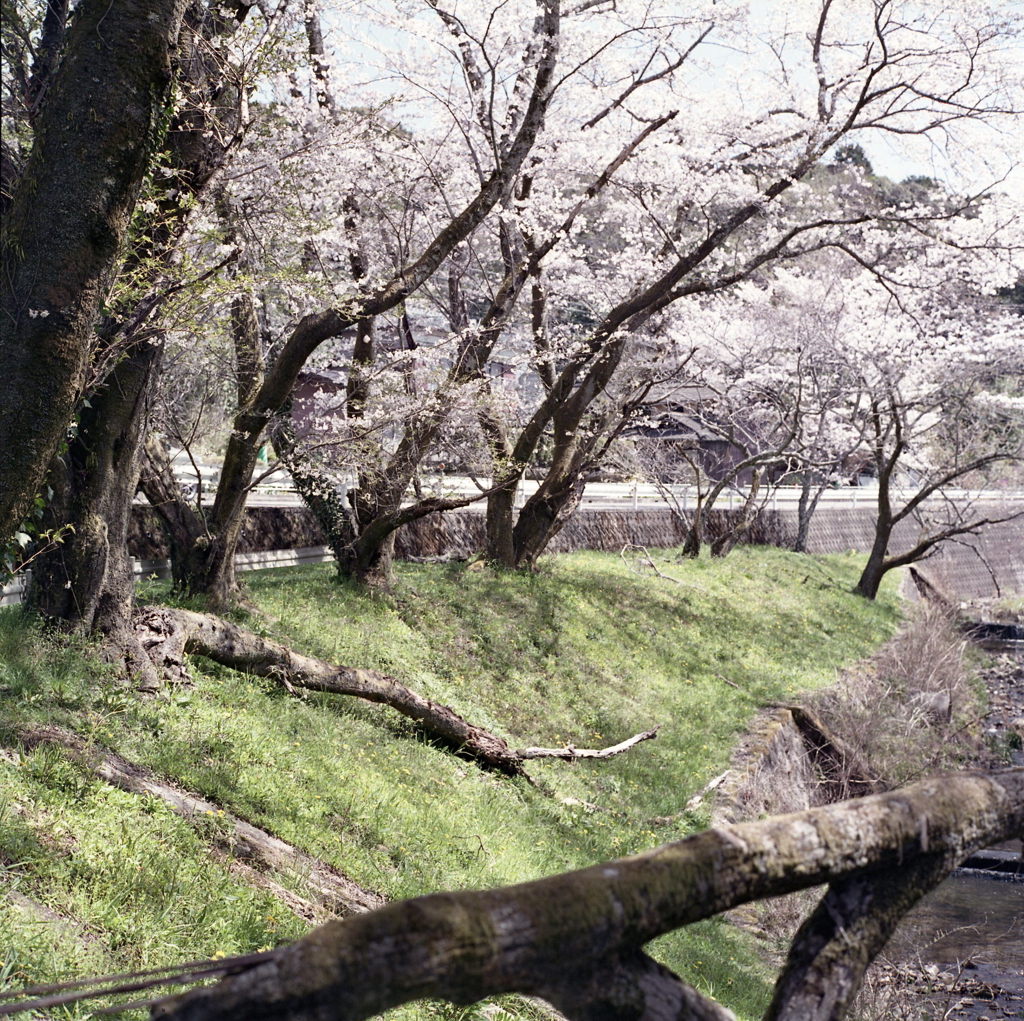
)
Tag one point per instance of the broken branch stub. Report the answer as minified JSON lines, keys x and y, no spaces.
{"x":571,"y":753}
{"x":879,"y":852}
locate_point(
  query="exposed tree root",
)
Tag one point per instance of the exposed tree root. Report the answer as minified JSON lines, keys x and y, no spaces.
{"x":332,"y":891}
{"x":68,"y":929}
{"x":169,"y":635}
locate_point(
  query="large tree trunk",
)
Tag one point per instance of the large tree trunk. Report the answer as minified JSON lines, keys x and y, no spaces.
{"x":369,"y":561}
{"x":577,"y":939}
{"x":876,"y":568}
{"x":804,"y":512}
{"x":87,"y":581}
{"x":67,"y":222}
{"x":501,"y":510}
{"x":544,"y":515}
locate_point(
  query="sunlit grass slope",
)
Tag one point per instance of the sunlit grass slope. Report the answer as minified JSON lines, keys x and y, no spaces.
{"x":586,"y":650}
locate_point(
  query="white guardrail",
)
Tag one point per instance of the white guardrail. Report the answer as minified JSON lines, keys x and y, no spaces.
{"x":612,"y":495}
{"x":648,"y":495}
{"x":14,"y":592}
{"x":275,"y":487}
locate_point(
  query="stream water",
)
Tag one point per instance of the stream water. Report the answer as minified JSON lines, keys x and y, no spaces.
{"x":968,"y":918}
{"x":968,"y":934}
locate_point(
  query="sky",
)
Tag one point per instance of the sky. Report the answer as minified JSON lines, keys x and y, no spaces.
{"x":890,"y":156}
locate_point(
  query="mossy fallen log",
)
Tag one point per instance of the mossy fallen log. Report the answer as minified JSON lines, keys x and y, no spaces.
{"x":168,"y":635}
{"x":576,"y":939}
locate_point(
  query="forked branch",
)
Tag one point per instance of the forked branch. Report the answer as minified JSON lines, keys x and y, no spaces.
{"x":576,"y":939}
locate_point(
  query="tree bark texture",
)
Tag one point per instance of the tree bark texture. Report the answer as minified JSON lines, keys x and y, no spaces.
{"x":87,"y":581}
{"x":169,"y":635}
{"x":67,"y":222}
{"x":849,"y":927}
{"x":99,"y":474}
{"x":576,"y":939}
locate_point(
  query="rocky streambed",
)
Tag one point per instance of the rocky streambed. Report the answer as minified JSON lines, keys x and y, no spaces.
{"x":1003,"y":727}
{"x":960,"y":952}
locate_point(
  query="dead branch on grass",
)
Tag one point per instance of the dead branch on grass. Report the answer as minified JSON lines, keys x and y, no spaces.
{"x":570,"y":753}
{"x":645,"y":561}
{"x":169,"y":635}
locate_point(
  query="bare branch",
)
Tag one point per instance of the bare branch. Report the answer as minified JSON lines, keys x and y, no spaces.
{"x":570,"y":753}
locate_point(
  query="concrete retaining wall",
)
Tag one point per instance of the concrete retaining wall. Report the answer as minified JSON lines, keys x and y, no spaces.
{"x":972,"y":567}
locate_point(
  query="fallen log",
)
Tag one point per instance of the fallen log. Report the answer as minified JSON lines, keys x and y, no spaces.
{"x":169,"y":635}
{"x":576,"y":939}
{"x":331,"y":890}
{"x":845,"y":771}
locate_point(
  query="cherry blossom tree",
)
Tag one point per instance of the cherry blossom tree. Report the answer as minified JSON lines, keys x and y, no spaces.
{"x":448,"y":191}
{"x":635,"y":196}
{"x":730,"y":189}
{"x":907,"y":367}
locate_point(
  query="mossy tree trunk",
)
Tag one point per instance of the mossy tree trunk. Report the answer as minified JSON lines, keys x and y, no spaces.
{"x":577,"y":939}
{"x":103,"y":113}
{"x":87,"y":582}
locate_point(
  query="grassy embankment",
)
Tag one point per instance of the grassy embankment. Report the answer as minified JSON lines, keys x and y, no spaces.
{"x":584,"y":651}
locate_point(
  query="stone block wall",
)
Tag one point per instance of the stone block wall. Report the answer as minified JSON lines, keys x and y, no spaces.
{"x":989,"y":564}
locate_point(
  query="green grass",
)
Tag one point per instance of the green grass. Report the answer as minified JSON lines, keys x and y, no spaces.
{"x":584,"y":651}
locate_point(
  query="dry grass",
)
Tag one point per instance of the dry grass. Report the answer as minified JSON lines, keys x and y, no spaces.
{"x":913,"y":708}
{"x":910,"y":710}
